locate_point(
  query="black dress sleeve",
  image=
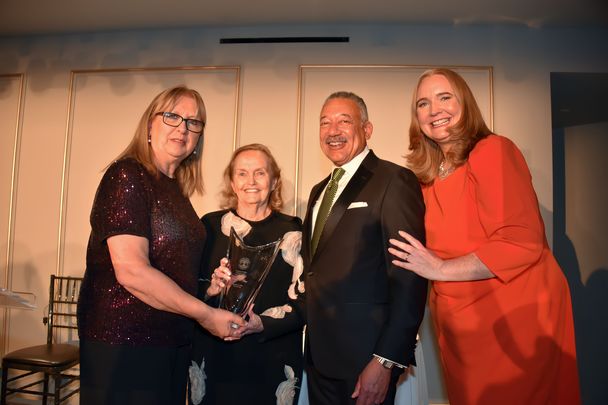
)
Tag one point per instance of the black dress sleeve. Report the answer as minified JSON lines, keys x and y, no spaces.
{"x":293,"y":320}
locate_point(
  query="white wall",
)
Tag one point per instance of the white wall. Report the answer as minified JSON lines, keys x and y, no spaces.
{"x":586,"y":195}
{"x":521,"y":58}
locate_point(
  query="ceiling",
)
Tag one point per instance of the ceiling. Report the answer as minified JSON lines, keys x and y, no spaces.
{"x":27,"y":17}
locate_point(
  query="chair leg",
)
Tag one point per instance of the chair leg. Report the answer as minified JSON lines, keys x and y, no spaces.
{"x":57,"y":380}
{"x":4,"y":382}
{"x":45,"y":388}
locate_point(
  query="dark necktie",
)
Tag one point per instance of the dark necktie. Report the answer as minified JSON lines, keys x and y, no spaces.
{"x":326,"y":204}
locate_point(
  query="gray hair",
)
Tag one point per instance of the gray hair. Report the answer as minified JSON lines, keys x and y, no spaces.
{"x":351,"y":96}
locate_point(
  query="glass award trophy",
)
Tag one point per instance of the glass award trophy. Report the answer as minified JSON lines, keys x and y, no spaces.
{"x":249,"y":266}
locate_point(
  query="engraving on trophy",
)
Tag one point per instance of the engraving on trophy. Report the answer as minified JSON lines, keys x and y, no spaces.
{"x":244,"y":263}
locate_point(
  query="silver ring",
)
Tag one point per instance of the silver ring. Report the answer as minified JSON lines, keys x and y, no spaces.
{"x":234,"y":325}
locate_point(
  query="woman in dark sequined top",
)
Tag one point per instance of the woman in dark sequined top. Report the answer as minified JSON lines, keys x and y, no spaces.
{"x":143,"y":257}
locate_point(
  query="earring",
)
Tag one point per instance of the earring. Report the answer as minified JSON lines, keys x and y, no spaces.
{"x":194,"y":152}
{"x":149,"y":137}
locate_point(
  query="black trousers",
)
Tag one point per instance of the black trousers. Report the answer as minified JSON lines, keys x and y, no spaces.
{"x":126,"y":375}
{"x":323,"y":390}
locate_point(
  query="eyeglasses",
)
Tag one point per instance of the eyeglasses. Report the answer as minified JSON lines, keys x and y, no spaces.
{"x":175,"y":120}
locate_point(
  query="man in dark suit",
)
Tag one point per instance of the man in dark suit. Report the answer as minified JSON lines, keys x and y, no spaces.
{"x":362,"y":312}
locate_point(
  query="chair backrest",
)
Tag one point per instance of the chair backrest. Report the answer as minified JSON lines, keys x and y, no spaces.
{"x":63,"y":300}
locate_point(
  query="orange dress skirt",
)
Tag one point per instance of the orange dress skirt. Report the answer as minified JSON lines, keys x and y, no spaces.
{"x":509,"y":339}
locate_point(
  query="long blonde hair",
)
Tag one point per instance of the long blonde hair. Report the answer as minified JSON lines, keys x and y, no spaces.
{"x":228,"y":196}
{"x":426,"y":156}
{"x":188,"y":174}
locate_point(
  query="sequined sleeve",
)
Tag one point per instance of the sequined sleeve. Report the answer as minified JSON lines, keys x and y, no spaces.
{"x":122,"y":203}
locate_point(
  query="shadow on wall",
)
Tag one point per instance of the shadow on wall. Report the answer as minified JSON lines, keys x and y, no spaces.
{"x":590,"y":305}
{"x":580,"y":136}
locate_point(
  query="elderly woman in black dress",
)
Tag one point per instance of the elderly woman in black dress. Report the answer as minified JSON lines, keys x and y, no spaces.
{"x":253,"y":370}
{"x":143,"y":258}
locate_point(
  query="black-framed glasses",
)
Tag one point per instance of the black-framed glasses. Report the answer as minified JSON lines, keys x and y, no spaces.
{"x":175,"y":120}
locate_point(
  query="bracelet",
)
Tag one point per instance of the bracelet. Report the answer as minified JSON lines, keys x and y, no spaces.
{"x":385,"y":363}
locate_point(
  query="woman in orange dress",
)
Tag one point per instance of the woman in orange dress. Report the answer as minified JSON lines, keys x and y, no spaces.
{"x":500,"y":303}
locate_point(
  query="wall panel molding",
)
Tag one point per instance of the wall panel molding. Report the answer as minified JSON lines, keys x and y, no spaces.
{"x":12,"y":93}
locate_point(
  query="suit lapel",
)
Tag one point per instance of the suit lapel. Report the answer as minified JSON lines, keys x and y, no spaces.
{"x":314,"y":196}
{"x":350,"y":192}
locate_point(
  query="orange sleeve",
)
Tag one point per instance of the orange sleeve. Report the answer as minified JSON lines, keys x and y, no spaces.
{"x":507,"y":206}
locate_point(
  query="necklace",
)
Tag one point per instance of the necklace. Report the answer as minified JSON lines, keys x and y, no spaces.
{"x":444,"y":171}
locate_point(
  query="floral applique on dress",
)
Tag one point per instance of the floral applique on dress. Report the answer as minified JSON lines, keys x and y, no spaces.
{"x":197,"y":382}
{"x":286,"y":391}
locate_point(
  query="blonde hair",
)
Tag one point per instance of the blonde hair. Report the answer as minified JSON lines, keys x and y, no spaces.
{"x":228,"y":198}
{"x":188,"y":174}
{"x":426,"y":156}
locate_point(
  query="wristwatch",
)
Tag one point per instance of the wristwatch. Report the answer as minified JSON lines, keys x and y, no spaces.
{"x":385,"y":363}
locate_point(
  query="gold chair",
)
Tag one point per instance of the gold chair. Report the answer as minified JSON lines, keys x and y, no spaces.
{"x":51,"y":359}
